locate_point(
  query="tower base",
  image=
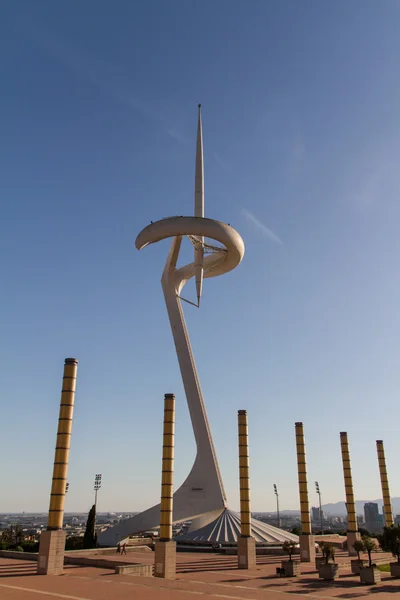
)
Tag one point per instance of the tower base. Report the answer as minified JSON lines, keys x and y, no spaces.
{"x":352,"y":536}
{"x":51,"y":553}
{"x":165,"y":560}
{"x":246,"y":550}
{"x":307,"y":548}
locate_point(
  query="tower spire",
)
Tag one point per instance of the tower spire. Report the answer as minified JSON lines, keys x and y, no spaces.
{"x":199,"y":175}
{"x":199,"y":204}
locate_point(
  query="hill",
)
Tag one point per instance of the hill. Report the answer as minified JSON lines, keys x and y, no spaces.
{"x":338,"y":509}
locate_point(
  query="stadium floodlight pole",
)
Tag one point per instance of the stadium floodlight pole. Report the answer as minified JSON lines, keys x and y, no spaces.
{"x":66,"y":492}
{"x":97,"y":486}
{"x":278,"y":516}
{"x":320,"y":503}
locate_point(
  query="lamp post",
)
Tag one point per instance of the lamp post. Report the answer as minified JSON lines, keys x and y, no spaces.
{"x":320,"y":503}
{"x":278,"y":517}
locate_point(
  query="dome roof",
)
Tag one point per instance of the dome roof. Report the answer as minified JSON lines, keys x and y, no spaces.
{"x":224,"y":527}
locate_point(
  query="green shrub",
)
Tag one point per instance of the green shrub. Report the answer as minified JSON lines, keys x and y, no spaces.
{"x":359,"y":547}
{"x":390,"y":541}
{"x":30,"y":546}
{"x":369,"y":546}
{"x":74,"y":543}
{"x":289,"y":547}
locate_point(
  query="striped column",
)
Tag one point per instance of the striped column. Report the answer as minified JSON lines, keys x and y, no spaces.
{"x":303,"y":484}
{"x":352,"y":525}
{"x":348,"y":483}
{"x":244,"y":474}
{"x":387,"y":505}
{"x":167,"y":469}
{"x":60,"y":470}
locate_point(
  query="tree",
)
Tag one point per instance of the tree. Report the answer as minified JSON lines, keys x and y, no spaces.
{"x":296,"y":531}
{"x":7,"y":535}
{"x":13,"y":535}
{"x":18,"y":534}
{"x":289,"y":547}
{"x":369,"y":547}
{"x":328,"y":551}
{"x":390,"y":541}
{"x":89,"y":539}
{"x":359,"y":547}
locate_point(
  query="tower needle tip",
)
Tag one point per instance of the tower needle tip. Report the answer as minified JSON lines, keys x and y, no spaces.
{"x":199,"y":105}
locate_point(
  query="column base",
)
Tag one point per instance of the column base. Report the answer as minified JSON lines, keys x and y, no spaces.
{"x":246,"y":549}
{"x":352,"y":536}
{"x":307,"y":548}
{"x":51,"y":553}
{"x":165,"y":560}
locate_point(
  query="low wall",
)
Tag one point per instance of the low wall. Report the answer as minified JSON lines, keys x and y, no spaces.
{"x":85,"y":561}
{"x":20,"y":555}
{"x":106,"y":551}
{"x":139,"y":542}
{"x":260,"y":551}
{"x":138,"y":570}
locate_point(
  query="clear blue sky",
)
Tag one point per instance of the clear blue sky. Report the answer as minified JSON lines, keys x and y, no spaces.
{"x":301,"y":132}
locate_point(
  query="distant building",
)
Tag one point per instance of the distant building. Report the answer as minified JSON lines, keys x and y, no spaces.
{"x":315,"y":515}
{"x":373,"y":522}
{"x":360,"y":519}
{"x":397,"y":519}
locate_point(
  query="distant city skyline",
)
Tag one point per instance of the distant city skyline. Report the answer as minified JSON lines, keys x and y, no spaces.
{"x":301,"y":156}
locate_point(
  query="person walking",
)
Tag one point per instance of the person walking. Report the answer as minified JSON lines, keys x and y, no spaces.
{"x":123,"y":549}
{"x":119,"y":548}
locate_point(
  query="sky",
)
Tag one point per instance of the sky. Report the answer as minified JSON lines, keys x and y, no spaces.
{"x":301,"y":129}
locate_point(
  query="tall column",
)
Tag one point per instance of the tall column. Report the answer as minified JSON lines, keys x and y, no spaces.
{"x":352,"y":526}
{"x":387,"y":505}
{"x":246,"y":543}
{"x":165,"y":548}
{"x":52,"y":541}
{"x":307,"y":543}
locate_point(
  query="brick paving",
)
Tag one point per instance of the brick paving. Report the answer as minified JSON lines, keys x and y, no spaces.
{"x":203,"y":575}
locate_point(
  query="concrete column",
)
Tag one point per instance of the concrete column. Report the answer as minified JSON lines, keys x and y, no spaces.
{"x":52,"y":541}
{"x":246,"y":543}
{"x":307,"y":542}
{"x":352,"y":526}
{"x":387,"y":505}
{"x":165,"y":548}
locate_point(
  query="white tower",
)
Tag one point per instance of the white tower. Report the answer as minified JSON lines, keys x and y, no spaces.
{"x":201,"y":497}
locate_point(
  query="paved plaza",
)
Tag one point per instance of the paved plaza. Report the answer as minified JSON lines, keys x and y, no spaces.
{"x":202,"y":575}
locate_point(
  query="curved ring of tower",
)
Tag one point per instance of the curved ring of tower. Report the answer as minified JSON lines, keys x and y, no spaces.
{"x":201,"y":498}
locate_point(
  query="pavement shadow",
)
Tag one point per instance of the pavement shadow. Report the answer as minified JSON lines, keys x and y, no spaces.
{"x":307,"y":586}
{"x":274,"y":585}
{"x":238,"y":580}
{"x":384,"y":589}
{"x":351,"y":595}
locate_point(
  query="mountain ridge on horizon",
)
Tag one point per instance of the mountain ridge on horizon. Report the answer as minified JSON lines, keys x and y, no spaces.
{"x":334,"y":509}
{"x":338,"y":509}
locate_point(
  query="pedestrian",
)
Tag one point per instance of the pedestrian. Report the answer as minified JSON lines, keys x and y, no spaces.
{"x":119,"y":548}
{"x":123,"y":549}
